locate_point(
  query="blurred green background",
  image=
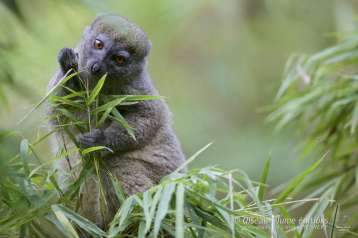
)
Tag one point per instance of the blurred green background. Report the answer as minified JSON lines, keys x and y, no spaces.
{"x":219,"y":63}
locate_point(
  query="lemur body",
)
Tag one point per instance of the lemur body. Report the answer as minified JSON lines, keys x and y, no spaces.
{"x":117,"y":47}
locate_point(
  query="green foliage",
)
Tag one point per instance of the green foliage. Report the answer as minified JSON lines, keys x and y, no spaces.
{"x":206,"y":202}
{"x":319,"y":95}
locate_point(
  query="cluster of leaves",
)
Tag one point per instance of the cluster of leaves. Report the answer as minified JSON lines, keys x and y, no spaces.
{"x":320,"y":95}
{"x":99,"y":108}
{"x":204,"y":202}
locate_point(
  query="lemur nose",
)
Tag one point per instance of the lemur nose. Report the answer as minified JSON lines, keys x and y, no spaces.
{"x":95,"y":68}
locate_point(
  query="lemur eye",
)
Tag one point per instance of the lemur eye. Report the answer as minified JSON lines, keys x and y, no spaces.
{"x":98,"y":44}
{"x":120,"y":59}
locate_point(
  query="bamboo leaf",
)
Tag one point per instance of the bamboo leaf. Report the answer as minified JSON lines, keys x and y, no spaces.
{"x":109,"y":105}
{"x":192,"y":158}
{"x":263,"y":180}
{"x":118,"y":188}
{"x":179,"y":223}
{"x":24,"y":150}
{"x":82,"y":222}
{"x":120,"y":119}
{"x":119,"y":220}
{"x":49,"y":93}
{"x":97,"y":89}
{"x":95,"y":148}
{"x":163,"y":207}
{"x":297,"y":181}
{"x":104,"y":117}
{"x":68,"y":229}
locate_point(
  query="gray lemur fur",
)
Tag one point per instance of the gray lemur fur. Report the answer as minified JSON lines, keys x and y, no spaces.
{"x":138,"y":164}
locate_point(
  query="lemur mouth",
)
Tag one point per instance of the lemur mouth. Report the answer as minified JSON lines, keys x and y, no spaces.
{"x":88,"y":80}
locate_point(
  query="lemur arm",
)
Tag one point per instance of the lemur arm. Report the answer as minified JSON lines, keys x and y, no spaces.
{"x":145,"y":118}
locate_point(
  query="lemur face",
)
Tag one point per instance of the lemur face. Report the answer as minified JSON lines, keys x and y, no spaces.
{"x":100,"y":55}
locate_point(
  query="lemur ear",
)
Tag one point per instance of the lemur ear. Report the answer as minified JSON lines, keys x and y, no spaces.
{"x":148,"y":47}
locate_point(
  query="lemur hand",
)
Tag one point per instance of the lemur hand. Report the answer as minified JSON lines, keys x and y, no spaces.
{"x":67,"y":58}
{"x":94,"y":138}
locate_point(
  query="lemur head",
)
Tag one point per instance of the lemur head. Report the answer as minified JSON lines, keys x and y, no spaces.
{"x":113,"y":45}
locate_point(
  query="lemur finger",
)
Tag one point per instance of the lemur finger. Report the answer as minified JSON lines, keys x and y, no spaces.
{"x":85,"y":144}
{"x":87,"y":139}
